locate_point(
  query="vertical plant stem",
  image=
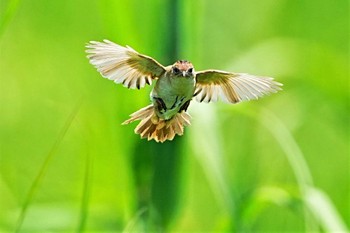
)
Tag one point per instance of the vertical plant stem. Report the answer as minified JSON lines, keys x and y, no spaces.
{"x":167,"y":163}
{"x":157,"y":166}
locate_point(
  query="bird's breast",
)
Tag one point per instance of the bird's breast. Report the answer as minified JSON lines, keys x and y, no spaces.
{"x":173,"y":92}
{"x":175,"y":86}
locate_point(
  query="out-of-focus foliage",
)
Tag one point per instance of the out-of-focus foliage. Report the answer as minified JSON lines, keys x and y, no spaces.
{"x":277,"y":164}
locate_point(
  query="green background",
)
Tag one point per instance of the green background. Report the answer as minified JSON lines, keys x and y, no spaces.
{"x":279,"y":164}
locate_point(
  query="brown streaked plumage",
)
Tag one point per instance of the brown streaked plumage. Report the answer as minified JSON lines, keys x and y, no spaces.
{"x":183,"y":65}
{"x":175,"y":87}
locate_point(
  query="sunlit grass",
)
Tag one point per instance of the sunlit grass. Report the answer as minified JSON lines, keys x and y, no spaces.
{"x":208,"y":145}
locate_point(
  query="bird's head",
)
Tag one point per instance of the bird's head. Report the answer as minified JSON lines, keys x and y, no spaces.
{"x":183,"y":68}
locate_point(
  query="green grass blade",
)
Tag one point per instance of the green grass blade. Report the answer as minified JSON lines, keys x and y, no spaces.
{"x":86,"y":193}
{"x":324,"y":211}
{"x":209,"y":155}
{"x":289,"y":146}
{"x":294,"y":156}
{"x":329,"y":218}
{"x":35,"y":185}
{"x":133,"y":224}
{"x":8,"y":15}
{"x":261,"y":199}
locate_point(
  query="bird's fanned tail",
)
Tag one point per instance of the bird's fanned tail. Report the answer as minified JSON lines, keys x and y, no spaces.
{"x":153,"y":127}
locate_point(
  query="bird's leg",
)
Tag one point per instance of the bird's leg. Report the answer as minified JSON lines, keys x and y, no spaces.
{"x":161,"y":107}
{"x":185,"y":106}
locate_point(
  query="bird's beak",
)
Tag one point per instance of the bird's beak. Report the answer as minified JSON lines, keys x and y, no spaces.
{"x":184,"y":73}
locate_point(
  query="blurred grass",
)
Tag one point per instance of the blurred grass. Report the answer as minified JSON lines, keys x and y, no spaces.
{"x":229,"y":172}
{"x":85,"y":197}
{"x":8,"y":14}
{"x":45,"y":166}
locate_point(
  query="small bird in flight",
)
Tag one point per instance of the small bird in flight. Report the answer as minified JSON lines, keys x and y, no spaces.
{"x":175,"y":87}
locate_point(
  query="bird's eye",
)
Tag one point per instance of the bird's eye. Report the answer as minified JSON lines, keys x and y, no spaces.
{"x":176,"y":70}
{"x":190,"y":70}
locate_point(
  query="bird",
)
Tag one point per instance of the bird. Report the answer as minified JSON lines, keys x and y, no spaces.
{"x":176,"y":86}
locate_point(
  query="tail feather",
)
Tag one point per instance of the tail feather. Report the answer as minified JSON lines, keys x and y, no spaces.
{"x":140,"y":114}
{"x":186,"y":119}
{"x":153,"y":127}
{"x":177,"y":126}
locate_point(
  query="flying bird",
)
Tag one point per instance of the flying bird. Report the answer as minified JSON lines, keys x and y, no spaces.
{"x":176,"y":85}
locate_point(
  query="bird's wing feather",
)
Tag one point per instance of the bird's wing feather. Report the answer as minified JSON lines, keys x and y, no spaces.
{"x":213,"y":85}
{"x":123,"y":64}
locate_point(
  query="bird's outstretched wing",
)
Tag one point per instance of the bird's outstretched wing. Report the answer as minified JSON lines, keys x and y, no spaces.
{"x":123,"y":64}
{"x":232,"y":87}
